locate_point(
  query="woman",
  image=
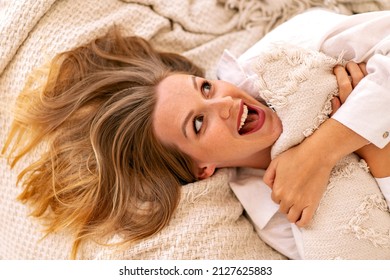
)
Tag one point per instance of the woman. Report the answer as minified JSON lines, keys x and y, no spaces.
{"x":114,"y":162}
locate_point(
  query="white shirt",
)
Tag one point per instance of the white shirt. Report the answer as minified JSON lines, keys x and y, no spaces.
{"x":362,"y":37}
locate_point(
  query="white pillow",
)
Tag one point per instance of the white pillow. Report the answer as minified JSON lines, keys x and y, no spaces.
{"x":352,"y":221}
{"x":297,"y":31}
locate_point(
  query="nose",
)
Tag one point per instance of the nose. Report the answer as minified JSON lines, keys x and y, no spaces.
{"x":223,"y":105}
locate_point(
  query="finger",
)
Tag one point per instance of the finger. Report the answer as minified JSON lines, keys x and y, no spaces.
{"x":355,"y":72}
{"x":284,"y":207}
{"x":362,"y":66}
{"x":269,"y":175}
{"x":294,"y":214}
{"x":306,"y":217}
{"x":275,"y":198}
{"x":336,"y":104}
{"x":343,"y":82}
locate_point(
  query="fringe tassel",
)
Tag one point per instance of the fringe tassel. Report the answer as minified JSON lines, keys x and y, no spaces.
{"x":345,"y":169}
{"x":272,"y":13}
{"x":362,"y":213}
{"x":295,"y":57}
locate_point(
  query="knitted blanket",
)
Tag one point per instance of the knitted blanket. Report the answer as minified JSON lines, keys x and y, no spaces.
{"x":33,"y":31}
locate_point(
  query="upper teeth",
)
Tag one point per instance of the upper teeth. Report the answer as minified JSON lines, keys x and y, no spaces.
{"x":243,"y":116}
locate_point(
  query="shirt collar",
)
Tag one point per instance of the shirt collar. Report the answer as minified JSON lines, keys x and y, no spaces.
{"x":240,"y":74}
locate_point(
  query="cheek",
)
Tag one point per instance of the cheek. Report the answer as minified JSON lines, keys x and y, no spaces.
{"x":278,"y":127}
{"x":217,"y":135}
{"x":223,"y":147}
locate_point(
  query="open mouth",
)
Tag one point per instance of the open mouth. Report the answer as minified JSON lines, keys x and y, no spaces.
{"x":251,"y":119}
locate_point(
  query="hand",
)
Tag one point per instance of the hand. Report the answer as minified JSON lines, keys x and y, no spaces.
{"x":298,"y":179}
{"x":299,"y":176}
{"x":348,"y":78}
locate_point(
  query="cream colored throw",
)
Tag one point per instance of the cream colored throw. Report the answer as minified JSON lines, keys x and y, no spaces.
{"x":209,"y":223}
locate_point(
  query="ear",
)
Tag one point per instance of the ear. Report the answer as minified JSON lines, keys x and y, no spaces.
{"x":206,"y":171}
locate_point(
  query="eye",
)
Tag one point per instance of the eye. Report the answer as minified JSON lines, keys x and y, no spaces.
{"x":198,"y":122}
{"x":206,"y":88}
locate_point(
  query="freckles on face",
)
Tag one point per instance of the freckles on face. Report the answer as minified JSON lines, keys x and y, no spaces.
{"x":172,"y":110}
{"x":202,"y":118}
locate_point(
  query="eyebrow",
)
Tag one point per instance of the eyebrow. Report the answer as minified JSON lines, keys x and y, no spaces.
{"x":185,"y":123}
{"x":187,"y":118}
{"x":194,"y":82}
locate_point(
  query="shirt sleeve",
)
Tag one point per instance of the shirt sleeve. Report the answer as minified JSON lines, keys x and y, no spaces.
{"x":271,"y":225}
{"x":280,"y":235}
{"x":365,"y":37}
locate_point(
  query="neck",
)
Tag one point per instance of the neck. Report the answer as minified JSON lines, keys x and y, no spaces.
{"x":260,"y":160}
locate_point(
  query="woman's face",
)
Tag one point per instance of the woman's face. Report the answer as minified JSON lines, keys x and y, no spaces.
{"x":214,"y":122}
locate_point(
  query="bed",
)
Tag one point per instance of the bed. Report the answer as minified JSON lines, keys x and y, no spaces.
{"x":209,"y":223}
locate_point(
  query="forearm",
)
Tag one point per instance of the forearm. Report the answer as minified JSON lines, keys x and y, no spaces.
{"x":377,"y":159}
{"x":299,"y":176}
{"x":332,"y":141}
{"x":366,"y":110}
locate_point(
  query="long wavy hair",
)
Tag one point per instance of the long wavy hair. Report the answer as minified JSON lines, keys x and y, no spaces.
{"x":103,"y":172}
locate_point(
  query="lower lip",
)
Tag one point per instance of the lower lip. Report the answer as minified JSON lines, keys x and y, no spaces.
{"x":260,"y":121}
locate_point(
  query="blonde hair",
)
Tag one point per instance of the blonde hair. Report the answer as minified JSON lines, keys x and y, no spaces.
{"x":103,"y":171}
